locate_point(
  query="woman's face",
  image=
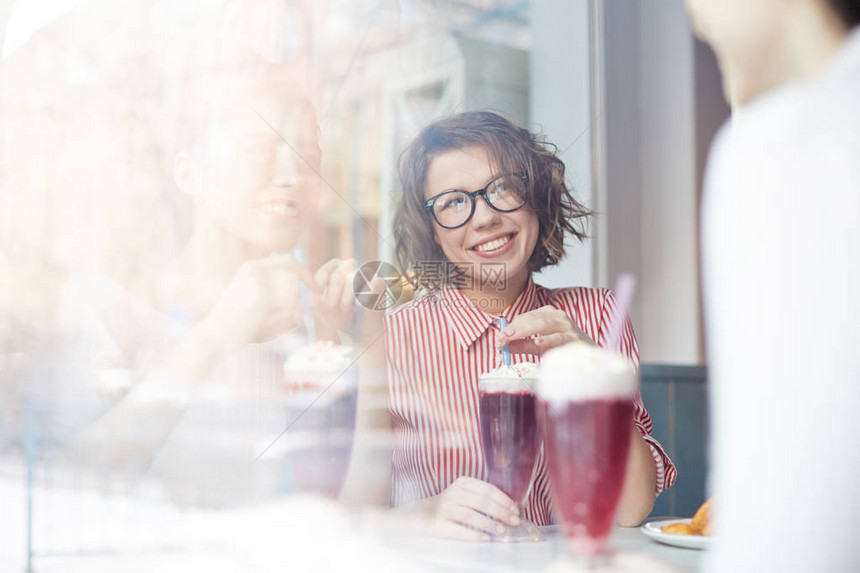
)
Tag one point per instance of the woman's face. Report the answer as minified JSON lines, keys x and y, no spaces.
{"x":489,"y":238}
{"x":258,"y":177}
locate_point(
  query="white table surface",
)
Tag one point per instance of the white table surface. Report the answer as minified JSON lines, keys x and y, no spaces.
{"x":84,"y":530}
{"x":632,"y":548}
{"x":635,"y":551}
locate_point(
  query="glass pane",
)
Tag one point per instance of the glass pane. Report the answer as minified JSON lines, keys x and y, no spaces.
{"x":188,"y":358}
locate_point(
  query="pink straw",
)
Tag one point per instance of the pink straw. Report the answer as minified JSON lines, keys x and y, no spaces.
{"x":625,"y":286}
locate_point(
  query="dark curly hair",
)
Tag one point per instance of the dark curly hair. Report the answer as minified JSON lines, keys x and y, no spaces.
{"x":847,"y":10}
{"x":513,"y":149}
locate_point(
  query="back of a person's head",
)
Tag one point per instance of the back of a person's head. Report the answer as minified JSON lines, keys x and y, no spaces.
{"x":847,"y":10}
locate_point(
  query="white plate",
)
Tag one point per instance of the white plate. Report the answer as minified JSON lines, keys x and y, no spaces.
{"x":652,"y":530}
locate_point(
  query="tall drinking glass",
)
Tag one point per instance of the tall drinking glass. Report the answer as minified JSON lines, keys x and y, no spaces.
{"x":321,"y":402}
{"x":510,"y":437}
{"x":586,"y":411}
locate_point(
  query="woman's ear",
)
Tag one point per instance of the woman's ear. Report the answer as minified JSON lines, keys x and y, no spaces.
{"x":183,"y":173}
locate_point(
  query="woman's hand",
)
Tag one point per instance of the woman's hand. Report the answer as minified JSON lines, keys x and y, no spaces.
{"x":334,"y":301}
{"x":259,"y":303}
{"x":470,"y":509}
{"x":539,"y":330}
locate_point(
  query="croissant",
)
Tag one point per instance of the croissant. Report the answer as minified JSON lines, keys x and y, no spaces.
{"x":678,"y":529}
{"x":701,"y":522}
{"x":699,"y":525}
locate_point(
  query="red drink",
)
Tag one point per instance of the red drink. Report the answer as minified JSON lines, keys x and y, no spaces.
{"x":587,"y":411}
{"x":587,"y":444}
{"x":320,"y":423}
{"x":510,"y":436}
{"x":320,"y":439}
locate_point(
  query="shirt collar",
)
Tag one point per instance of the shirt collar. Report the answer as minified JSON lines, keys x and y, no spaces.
{"x":469,"y":322}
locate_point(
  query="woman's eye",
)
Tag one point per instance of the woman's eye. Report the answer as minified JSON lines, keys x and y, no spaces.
{"x":453,"y":203}
{"x":497,"y":191}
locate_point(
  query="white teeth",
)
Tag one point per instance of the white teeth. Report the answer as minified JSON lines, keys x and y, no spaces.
{"x":493,"y":245}
{"x":281,"y":209}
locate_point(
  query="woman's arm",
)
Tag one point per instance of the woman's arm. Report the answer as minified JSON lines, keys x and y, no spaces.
{"x":638,"y":495}
{"x":259,"y":303}
{"x":128,"y":437}
{"x":368,"y":481}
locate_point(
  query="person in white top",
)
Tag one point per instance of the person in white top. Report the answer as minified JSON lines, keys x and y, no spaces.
{"x":782,"y":272}
{"x":214,"y":329}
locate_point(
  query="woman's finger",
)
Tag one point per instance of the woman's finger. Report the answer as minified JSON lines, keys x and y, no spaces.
{"x":486,"y":498}
{"x":505,"y":512}
{"x":484,"y":488}
{"x":288,"y":262}
{"x":347,"y":298}
{"x":525,"y":346}
{"x":334,"y":288}
{"x":527,"y":324}
{"x":474,"y":519}
{"x":545,"y":320}
{"x":524,"y":330}
{"x":323,"y":274}
{"x":545,"y":342}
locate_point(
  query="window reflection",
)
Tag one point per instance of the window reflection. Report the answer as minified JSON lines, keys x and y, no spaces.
{"x":162,"y":165}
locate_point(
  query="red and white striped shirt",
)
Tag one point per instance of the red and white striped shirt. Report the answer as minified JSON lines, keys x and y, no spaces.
{"x":437,"y":346}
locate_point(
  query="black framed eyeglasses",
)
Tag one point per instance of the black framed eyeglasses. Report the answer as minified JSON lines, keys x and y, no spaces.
{"x":453,"y":209}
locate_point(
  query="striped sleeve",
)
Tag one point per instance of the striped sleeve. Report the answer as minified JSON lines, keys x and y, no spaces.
{"x":408,"y":484}
{"x":627,"y":345}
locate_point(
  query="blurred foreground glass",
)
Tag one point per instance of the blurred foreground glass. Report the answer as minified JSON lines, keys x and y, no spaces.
{"x":320,"y":417}
{"x":586,"y":421}
{"x":510,"y":437}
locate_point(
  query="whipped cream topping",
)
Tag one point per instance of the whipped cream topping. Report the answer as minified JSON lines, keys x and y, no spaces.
{"x":518,"y":370}
{"x":317,"y":364}
{"x":520,"y":377}
{"x":579,"y":371}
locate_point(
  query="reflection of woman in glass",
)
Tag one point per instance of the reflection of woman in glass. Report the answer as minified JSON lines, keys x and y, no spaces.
{"x":227,"y":310}
{"x":485,"y":205}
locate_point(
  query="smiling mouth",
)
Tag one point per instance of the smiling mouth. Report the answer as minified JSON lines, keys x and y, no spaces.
{"x":280,"y":209}
{"x":494,"y":245}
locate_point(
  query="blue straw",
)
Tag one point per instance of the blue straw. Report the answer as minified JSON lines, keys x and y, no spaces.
{"x":506,"y":352}
{"x":304,"y":299}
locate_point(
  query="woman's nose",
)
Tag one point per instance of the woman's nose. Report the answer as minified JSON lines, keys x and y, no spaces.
{"x":287,"y":169}
{"x":484,"y":215}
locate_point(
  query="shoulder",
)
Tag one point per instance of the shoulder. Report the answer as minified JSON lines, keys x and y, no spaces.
{"x":581,"y":299}
{"x":828,"y":134}
{"x":577,"y":301}
{"x":420,"y":307}
{"x":793,"y":129}
{"x":755,"y":140}
{"x":836,"y":93}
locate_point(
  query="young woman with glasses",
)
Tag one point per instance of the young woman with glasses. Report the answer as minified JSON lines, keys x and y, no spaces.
{"x":484,"y":206}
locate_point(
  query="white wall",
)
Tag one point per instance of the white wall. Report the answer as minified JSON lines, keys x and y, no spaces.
{"x":669,"y":291}
{"x":560,"y":107}
{"x":650,"y":183}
